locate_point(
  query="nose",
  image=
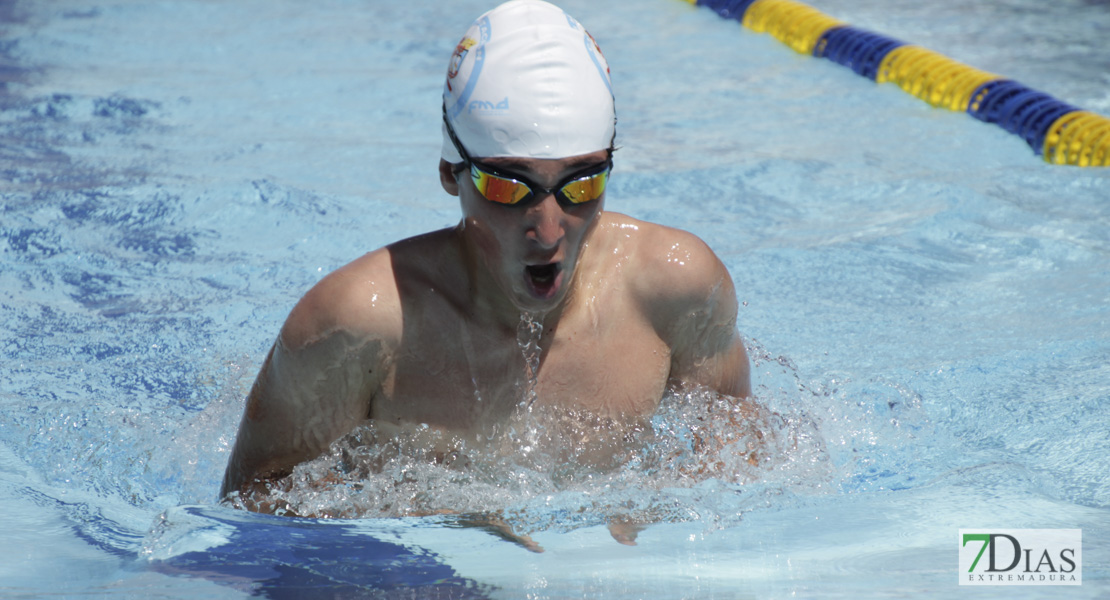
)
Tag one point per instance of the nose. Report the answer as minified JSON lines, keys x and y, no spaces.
{"x":546,"y":222}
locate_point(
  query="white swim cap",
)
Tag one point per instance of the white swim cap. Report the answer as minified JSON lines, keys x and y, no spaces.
{"x":527,"y":80}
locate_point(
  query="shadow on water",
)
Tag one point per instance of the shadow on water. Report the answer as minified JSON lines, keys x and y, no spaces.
{"x":278,"y":558}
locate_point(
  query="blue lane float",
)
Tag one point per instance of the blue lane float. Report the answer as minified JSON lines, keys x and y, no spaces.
{"x":1058,"y":131}
{"x":859,"y":50}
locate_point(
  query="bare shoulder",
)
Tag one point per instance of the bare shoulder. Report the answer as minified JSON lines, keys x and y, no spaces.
{"x":688,"y":295}
{"x":359,"y":299}
{"x":363,"y":298}
{"x":673,"y":269}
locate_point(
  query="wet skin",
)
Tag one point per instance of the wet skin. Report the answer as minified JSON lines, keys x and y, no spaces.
{"x":424,"y":331}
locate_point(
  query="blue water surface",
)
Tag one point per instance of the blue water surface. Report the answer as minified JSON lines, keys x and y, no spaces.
{"x":926,"y":302}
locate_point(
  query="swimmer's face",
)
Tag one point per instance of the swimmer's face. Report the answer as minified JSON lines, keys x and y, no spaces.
{"x":531,"y":249}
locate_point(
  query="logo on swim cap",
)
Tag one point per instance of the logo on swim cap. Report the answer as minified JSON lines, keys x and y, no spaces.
{"x":457,"y":58}
{"x":489,"y":108}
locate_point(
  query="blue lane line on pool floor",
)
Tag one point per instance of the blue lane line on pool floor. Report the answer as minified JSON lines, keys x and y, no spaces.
{"x":310,"y":559}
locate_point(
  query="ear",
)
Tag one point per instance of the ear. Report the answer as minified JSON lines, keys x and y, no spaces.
{"x":447,"y":177}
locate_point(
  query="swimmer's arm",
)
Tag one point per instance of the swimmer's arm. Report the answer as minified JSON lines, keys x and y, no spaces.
{"x":318,"y":381}
{"x":303,"y":399}
{"x":698,"y":316}
{"x":715,"y":359}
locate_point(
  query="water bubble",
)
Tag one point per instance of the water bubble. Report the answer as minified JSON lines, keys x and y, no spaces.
{"x":528,"y":334}
{"x":701,"y":457}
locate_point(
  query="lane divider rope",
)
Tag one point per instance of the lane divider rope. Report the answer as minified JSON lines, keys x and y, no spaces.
{"x":1063,"y":134}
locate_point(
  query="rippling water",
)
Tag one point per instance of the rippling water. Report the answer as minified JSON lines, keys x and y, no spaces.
{"x":925,"y":303}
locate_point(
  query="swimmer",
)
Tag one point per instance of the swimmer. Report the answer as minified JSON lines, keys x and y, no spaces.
{"x":425,"y":332}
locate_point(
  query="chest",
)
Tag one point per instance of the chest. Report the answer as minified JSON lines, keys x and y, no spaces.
{"x":452,"y":375}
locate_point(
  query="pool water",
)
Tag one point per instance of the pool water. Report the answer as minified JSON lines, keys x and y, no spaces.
{"x":926,"y":303}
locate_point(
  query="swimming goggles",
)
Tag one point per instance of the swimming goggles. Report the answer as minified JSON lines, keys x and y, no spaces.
{"x":502,"y":188}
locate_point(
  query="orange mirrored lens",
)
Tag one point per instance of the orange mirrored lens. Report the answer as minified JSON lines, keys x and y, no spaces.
{"x":498,"y":189}
{"x":586,"y":189}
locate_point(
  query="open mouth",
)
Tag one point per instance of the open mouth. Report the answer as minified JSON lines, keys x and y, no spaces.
{"x":544,"y":279}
